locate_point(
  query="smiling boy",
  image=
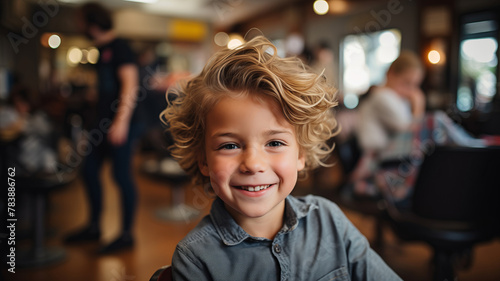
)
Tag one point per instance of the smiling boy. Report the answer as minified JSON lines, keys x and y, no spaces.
{"x":248,"y":125}
{"x":252,"y":159}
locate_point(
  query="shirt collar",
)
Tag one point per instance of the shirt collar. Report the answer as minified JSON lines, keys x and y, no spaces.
{"x":232,"y":234}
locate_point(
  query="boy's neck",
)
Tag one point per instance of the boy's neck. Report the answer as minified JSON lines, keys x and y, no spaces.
{"x":266,"y":226}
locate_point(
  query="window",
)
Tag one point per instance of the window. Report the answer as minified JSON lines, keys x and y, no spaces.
{"x":478,"y":61}
{"x":365,"y":59}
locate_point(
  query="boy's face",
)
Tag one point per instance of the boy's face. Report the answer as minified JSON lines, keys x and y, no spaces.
{"x":252,"y":156}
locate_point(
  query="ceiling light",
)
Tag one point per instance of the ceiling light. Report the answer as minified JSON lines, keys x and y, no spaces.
{"x":434,"y":57}
{"x":74,"y":55}
{"x":54,"y":41}
{"x":320,"y":7}
{"x":338,"y":6}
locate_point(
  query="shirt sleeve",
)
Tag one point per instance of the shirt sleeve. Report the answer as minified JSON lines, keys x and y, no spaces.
{"x":124,"y":54}
{"x":393,"y":112}
{"x":364,"y":264}
{"x":185,"y":268}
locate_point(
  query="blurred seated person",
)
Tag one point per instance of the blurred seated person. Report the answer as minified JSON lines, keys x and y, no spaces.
{"x":28,"y":136}
{"x":393,"y":127}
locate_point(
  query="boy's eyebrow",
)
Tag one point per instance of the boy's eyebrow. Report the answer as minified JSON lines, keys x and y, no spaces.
{"x":217,"y":135}
{"x":267,"y":133}
{"x":278,"y":132}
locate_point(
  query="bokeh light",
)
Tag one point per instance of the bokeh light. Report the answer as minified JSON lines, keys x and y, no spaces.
{"x":74,"y":55}
{"x":93,"y":55}
{"x":464,"y":99}
{"x":481,"y":50}
{"x":235,"y":40}
{"x":387,"y":54}
{"x":44,"y":39}
{"x":54,"y":41}
{"x":234,"y":43}
{"x":356,"y":79}
{"x":351,"y":101}
{"x":221,"y":39}
{"x":338,"y":6}
{"x":388,"y":38}
{"x":320,"y":7}
{"x":294,"y":44}
{"x":85,"y":55}
{"x":434,"y":57}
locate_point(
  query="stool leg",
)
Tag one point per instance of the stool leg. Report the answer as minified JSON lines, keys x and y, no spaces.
{"x":443,"y":263}
{"x":39,"y":231}
{"x":177,"y":195}
{"x":178,"y":210}
{"x":39,"y":254}
{"x":379,"y":233}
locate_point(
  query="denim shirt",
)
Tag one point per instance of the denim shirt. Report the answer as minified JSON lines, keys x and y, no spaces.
{"x":316,"y":242}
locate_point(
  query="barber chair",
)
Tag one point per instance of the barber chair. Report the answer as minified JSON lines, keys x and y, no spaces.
{"x":455,"y":206}
{"x":162,"y":274}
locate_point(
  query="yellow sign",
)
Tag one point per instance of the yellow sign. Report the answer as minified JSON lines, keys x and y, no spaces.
{"x":187,"y":30}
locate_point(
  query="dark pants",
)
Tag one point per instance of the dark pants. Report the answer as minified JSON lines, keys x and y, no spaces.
{"x":121,"y":157}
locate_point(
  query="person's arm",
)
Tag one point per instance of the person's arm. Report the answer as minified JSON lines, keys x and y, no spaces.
{"x":417,"y":101}
{"x":128,"y":77}
{"x":364,"y":263}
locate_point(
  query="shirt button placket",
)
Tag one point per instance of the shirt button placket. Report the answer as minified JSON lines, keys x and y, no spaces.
{"x":277,"y":248}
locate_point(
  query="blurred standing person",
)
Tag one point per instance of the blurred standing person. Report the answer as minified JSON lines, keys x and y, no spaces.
{"x":117,"y":74}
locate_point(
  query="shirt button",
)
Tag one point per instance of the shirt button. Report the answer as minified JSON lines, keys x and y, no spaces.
{"x":277,"y":248}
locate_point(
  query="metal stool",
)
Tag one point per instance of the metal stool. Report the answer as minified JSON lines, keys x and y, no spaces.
{"x":40,"y":254}
{"x":169,"y":170}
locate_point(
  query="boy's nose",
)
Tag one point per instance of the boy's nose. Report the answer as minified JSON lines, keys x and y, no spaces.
{"x":252,"y":162}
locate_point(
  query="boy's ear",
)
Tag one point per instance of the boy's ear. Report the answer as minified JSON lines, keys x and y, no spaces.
{"x":301,"y":161}
{"x":203,"y":166}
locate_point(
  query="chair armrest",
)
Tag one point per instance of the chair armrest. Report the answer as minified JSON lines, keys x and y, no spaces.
{"x":162,"y":274}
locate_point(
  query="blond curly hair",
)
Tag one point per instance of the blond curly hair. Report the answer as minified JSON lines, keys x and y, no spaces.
{"x":306,"y":100}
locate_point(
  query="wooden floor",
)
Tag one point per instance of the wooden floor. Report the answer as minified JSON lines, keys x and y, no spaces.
{"x":156,"y":238}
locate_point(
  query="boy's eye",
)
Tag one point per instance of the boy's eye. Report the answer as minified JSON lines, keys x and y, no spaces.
{"x":228,"y":146}
{"x":275,"y":143}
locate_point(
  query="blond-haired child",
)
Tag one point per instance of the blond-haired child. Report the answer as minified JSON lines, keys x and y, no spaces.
{"x":248,"y":124}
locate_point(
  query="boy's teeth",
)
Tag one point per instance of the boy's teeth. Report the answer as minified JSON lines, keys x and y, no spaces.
{"x":255,"y":188}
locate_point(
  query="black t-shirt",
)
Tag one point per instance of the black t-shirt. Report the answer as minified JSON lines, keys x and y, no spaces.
{"x":112,"y":56}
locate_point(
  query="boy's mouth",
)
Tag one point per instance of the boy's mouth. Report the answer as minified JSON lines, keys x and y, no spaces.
{"x":254,"y":188}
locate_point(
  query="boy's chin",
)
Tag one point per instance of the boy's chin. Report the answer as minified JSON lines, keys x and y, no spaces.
{"x":253,"y":212}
